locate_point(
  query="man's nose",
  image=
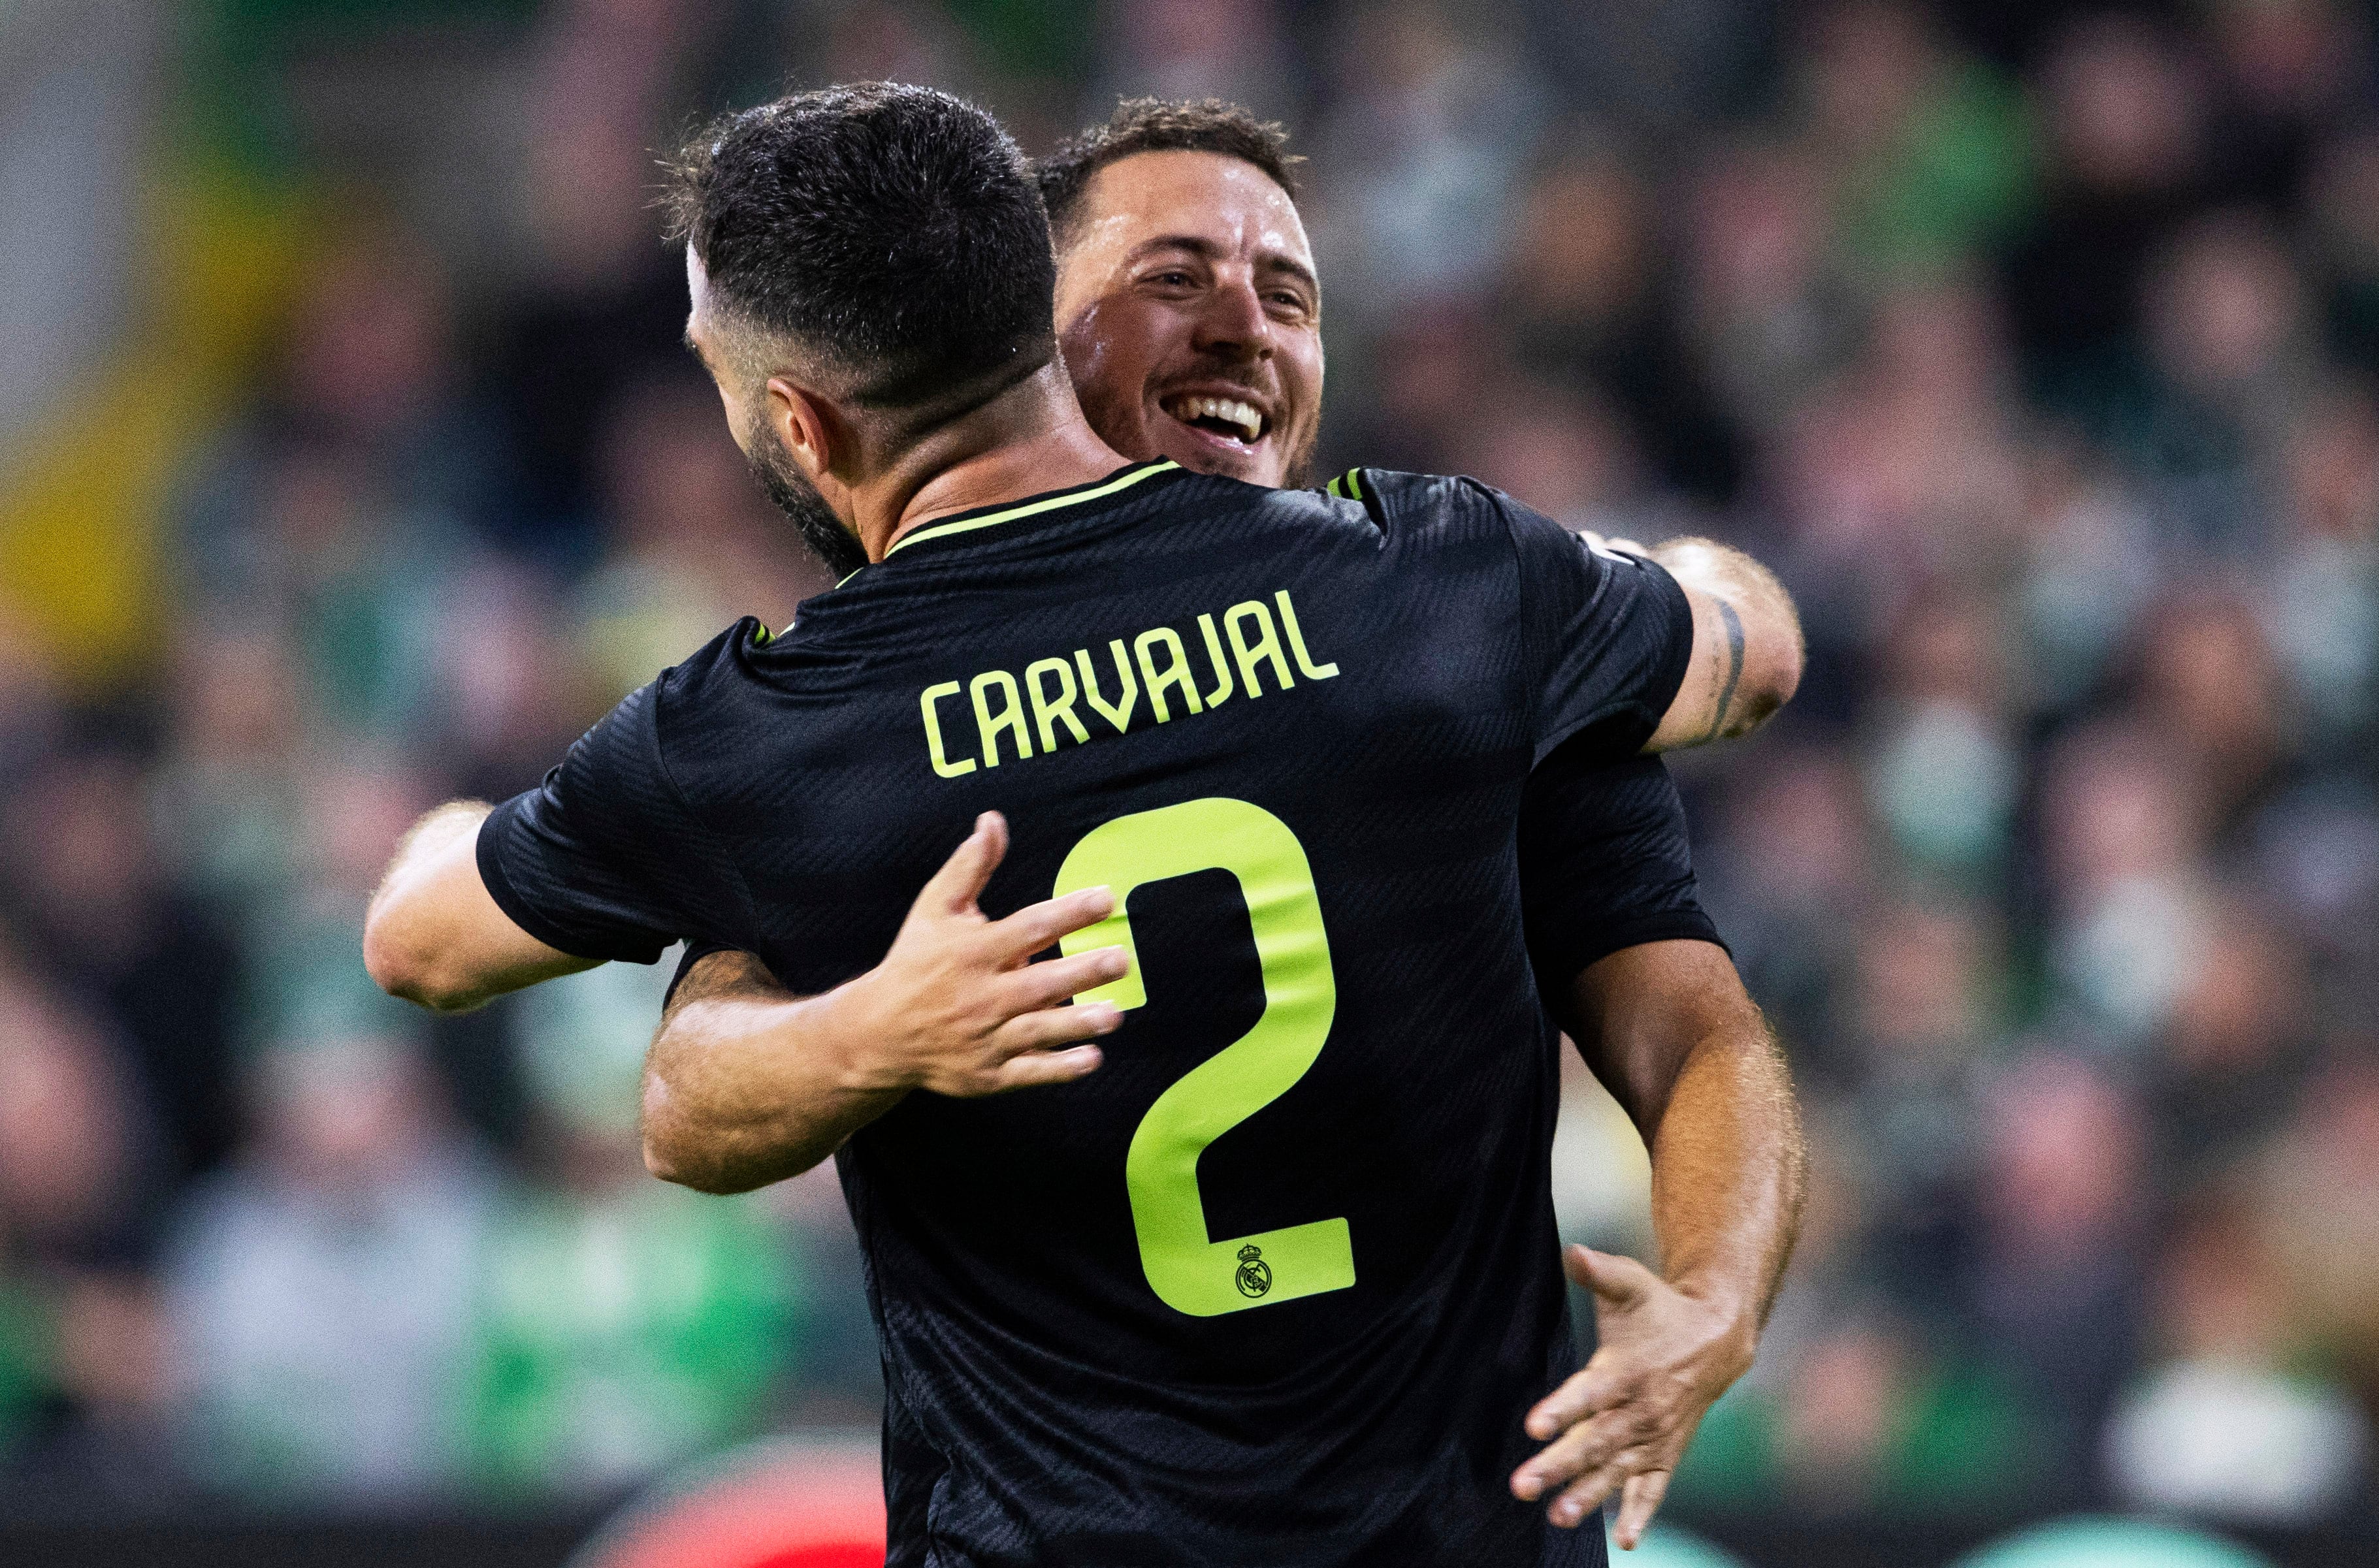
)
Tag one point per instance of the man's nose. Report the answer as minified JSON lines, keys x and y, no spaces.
{"x":1233,"y":322}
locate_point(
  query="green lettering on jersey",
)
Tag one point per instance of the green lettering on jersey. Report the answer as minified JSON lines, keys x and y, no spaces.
{"x":1305,"y":665}
{"x":1011,"y":717}
{"x":942,"y":764}
{"x":1175,"y":672}
{"x":1157,"y":660}
{"x":1117,"y":713}
{"x":1189,"y":1271}
{"x":1046,"y":709}
{"x":1222,"y":691}
{"x":1266,"y":646}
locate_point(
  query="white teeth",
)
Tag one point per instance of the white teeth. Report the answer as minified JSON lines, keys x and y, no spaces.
{"x":1230,"y":410}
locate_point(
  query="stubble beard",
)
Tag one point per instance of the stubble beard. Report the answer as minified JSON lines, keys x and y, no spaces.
{"x":799,"y":500}
{"x":1298,"y":475}
{"x":839,"y":548}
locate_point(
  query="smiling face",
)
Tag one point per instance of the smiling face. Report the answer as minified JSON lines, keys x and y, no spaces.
{"x":1190,"y":316}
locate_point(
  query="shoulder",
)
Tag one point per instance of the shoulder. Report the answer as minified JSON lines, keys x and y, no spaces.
{"x":720,"y":667}
{"x":1436,"y":510}
{"x":1213,"y":494}
{"x":1232,"y":514}
{"x":706,"y":699}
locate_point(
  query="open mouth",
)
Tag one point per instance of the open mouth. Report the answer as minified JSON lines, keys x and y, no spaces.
{"x":1227,"y":418}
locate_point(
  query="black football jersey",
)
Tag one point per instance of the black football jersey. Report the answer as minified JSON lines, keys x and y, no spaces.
{"x":1276,"y":1283}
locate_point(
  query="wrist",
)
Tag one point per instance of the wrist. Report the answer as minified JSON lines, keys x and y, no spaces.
{"x":857,"y":1030}
{"x":1732,"y":1307}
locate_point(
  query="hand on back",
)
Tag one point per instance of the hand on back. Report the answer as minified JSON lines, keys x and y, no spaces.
{"x":958,"y":1005}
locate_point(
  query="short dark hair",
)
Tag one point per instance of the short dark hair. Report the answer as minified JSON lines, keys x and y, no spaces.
{"x":1157,"y":124}
{"x":891,"y":233}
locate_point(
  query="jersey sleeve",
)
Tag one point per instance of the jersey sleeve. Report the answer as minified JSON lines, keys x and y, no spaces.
{"x":603,"y":860}
{"x":1605,"y":862}
{"x":1607,"y":637}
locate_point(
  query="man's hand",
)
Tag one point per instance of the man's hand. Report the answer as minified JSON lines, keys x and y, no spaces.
{"x":747,"y":1083}
{"x":1663,"y":1360}
{"x":1669,"y":1030}
{"x":957,"y":1007}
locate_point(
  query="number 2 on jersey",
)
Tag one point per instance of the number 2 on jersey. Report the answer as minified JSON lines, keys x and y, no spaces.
{"x":1189,"y":1271}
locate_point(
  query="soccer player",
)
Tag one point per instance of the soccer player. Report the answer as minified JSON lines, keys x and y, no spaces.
{"x":1272,"y":745}
{"x":1187,"y":312}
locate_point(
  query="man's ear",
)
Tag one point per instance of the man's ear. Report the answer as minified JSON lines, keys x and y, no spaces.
{"x":812,"y":428}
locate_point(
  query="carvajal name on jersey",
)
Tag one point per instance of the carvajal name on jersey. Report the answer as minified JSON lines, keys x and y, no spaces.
{"x":1072,"y":698}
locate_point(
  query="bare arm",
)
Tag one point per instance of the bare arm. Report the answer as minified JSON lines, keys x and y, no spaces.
{"x":1746,"y":659}
{"x":1669,"y":1030}
{"x":746,"y":1083}
{"x":434,"y":935}
{"x":740,"y":1087}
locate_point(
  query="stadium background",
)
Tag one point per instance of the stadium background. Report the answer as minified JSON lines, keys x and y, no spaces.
{"x":348,"y":461}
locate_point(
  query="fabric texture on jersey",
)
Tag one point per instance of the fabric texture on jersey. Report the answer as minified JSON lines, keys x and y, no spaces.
{"x":1416,"y":654}
{"x":632,"y":893}
{"x":1605,"y":861}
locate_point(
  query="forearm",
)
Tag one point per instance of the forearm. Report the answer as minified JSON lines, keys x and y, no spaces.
{"x":433,"y":934}
{"x":1669,"y":1030}
{"x":1747,"y":644}
{"x":746,"y":1084}
{"x":1727,"y":1171}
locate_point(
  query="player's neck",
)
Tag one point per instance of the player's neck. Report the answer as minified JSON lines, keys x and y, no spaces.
{"x":1030,"y":438}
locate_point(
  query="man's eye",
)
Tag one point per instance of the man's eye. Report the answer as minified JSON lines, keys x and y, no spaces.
{"x":1174,"y":280}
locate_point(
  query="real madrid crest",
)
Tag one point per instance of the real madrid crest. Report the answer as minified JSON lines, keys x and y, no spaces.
{"x":1254,"y":1277}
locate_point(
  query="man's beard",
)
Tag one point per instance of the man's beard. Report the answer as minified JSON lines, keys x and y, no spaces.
{"x":799,"y":500}
{"x":1298,"y":475}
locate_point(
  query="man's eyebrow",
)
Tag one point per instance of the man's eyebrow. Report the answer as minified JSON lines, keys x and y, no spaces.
{"x":1193,"y":244}
{"x":1208,"y":251}
{"x":1294,"y":268}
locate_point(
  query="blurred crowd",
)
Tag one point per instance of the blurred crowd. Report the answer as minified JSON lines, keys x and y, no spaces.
{"x":2036,"y":348}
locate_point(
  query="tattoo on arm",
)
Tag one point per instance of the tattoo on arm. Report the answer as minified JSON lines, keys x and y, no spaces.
{"x":1734,"y":624}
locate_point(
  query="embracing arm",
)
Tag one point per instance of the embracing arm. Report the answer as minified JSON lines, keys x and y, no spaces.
{"x":739,"y":1092}
{"x":1669,"y":1030}
{"x":746,"y":1083}
{"x":1746,"y":659}
{"x":433,"y":934}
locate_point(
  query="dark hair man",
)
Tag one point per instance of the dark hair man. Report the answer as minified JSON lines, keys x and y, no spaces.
{"x":1188,"y":312}
{"x":1313,"y":1346}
